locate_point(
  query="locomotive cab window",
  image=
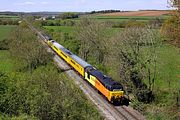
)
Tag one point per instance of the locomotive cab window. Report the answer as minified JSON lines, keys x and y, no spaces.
{"x":88,"y":75}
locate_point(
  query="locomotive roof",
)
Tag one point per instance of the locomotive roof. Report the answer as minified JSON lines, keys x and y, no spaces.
{"x":73,"y":56}
{"x":105,"y":80}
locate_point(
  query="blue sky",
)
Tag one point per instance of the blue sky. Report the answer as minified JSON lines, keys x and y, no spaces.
{"x":80,"y":5}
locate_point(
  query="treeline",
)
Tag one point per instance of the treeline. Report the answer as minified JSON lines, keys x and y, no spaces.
{"x":9,"y":22}
{"x":106,"y":11}
{"x":154,"y":23}
{"x":68,"y":15}
{"x":11,"y":13}
{"x":58,"y":23}
{"x":36,"y":89}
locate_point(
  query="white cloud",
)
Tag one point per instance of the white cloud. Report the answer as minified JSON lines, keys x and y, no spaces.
{"x":25,"y":3}
{"x":44,"y":3}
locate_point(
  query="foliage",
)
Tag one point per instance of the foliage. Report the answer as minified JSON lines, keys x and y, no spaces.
{"x":9,"y":22}
{"x":4,"y":44}
{"x":171,"y":28}
{"x":68,"y":15}
{"x":65,"y":36}
{"x":44,"y":94}
{"x":134,"y":23}
{"x":92,"y":40}
{"x":105,"y":11}
{"x":66,"y":22}
{"x":134,"y":68}
{"x":24,"y":47}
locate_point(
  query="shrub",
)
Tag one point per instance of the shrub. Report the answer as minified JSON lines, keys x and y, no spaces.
{"x":171,"y":29}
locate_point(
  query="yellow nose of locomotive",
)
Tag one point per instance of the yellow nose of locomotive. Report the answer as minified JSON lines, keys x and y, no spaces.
{"x":116,"y":96}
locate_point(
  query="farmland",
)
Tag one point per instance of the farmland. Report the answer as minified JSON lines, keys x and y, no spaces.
{"x":72,"y":30}
{"x":63,"y":29}
{"x":139,"y":13}
{"x":126,"y":18}
{"x":5,"y":31}
{"x":6,"y":63}
{"x":132,"y":15}
{"x":8,"y":17}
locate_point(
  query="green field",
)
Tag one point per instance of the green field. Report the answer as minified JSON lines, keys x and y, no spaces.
{"x":6,"y":64}
{"x":72,"y":29}
{"x":5,"y":31}
{"x":64,"y":29}
{"x":8,"y":16}
{"x":125,"y":18}
{"x":168,"y":67}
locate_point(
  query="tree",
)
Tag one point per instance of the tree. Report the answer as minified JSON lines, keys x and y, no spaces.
{"x":25,"y":47}
{"x":92,"y":40}
{"x":134,"y":49}
{"x":174,"y":3}
{"x":171,"y":27}
{"x":68,"y":15}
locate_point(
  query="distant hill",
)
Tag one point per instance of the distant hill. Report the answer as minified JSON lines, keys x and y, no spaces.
{"x":35,"y":13}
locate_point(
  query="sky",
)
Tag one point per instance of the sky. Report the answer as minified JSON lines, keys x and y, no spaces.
{"x":79,"y":5}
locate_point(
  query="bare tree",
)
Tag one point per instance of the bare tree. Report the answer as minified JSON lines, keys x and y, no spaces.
{"x":92,"y":38}
{"x":174,"y":3}
{"x":135,"y":49}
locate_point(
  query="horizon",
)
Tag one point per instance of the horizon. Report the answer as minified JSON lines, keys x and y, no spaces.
{"x":81,"y":5}
{"x":88,"y":11}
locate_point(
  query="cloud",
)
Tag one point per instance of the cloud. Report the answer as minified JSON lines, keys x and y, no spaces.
{"x":44,"y":3}
{"x":26,"y":3}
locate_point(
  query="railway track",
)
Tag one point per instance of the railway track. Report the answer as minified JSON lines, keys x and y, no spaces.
{"x":109,"y":111}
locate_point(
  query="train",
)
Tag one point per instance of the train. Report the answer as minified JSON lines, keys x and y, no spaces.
{"x":110,"y":89}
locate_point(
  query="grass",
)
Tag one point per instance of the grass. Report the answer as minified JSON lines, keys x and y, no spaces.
{"x":9,"y":16}
{"x":64,"y":29}
{"x":168,"y":67}
{"x":6,"y":63}
{"x":71,"y":30}
{"x":5,"y":31}
{"x":125,"y":18}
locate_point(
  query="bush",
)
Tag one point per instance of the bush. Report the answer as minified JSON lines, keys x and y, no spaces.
{"x":44,"y":94}
{"x":4,"y":44}
{"x":25,"y":47}
{"x":133,"y":23}
{"x":171,"y":29}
